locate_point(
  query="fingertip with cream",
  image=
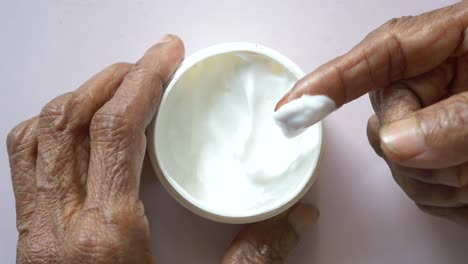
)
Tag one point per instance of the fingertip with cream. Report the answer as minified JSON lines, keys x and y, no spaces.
{"x":297,"y":115}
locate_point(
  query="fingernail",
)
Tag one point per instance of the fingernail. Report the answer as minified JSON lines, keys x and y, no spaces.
{"x":166,"y":38}
{"x":299,"y":114}
{"x":283,"y":100}
{"x":302,"y":217}
{"x":403,"y":138}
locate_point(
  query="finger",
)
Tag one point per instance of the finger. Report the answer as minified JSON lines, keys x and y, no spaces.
{"x":434,"y":137}
{"x":453,"y":176}
{"x":428,"y":194}
{"x":63,"y":137}
{"x":390,"y":104}
{"x":458,"y":215}
{"x":407,"y":96}
{"x":434,"y":85}
{"x":22,"y":152}
{"x":270,"y":241}
{"x":456,"y":176}
{"x":400,"y":49}
{"x":395,"y":102}
{"x":118,"y":129}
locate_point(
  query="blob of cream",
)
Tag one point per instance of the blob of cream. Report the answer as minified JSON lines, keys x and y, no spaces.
{"x":299,"y":114}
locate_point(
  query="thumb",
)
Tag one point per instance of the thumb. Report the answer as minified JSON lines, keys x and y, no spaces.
{"x":434,"y":137}
{"x":270,"y":241}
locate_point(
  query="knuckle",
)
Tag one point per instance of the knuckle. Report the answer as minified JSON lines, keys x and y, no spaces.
{"x":395,"y":26}
{"x":390,"y":32}
{"x":144,"y":75}
{"x":56,"y":114}
{"x":139,"y":72}
{"x":397,"y":102}
{"x":107,"y":126}
{"x":92,"y":242}
{"x":391,"y":23}
{"x":104,"y":236}
{"x":397,"y":22}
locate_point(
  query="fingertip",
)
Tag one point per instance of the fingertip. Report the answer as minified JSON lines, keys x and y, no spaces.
{"x":169,"y":42}
{"x":175,"y":43}
{"x":299,"y":114}
{"x":402,"y":140}
{"x":298,"y":90}
{"x":302,"y":217}
{"x":164,"y":57}
{"x":25,"y":130}
{"x":174,"y":56}
{"x":283,"y":100}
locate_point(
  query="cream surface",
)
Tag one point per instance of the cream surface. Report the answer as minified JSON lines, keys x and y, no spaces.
{"x":218,"y":142}
{"x":299,"y":114}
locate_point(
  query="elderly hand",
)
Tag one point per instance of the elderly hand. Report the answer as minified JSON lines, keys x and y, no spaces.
{"x":76,"y":172}
{"x":416,"y":69}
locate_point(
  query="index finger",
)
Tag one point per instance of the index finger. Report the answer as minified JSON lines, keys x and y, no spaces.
{"x":117,"y":130}
{"x":402,"y":48}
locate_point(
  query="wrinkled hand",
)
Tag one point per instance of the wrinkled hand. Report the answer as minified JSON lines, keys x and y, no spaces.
{"x":417,"y":70}
{"x":76,"y":167}
{"x":76,"y":172}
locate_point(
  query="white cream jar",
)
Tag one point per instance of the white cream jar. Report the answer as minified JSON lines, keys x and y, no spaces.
{"x":214,"y":143}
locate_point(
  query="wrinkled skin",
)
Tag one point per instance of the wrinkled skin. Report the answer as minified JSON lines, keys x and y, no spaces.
{"x":435,"y":99}
{"x":416,"y":70}
{"x":271,"y":241}
{"x":75,"y":170}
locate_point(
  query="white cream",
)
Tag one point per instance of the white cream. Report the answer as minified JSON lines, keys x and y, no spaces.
{"x":217,"y":140}
{"x":299,"y":114}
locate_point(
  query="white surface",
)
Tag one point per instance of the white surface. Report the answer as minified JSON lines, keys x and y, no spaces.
{"x":215,"y":134}
{"x":299,"y":114}
{"x":50,"y":47}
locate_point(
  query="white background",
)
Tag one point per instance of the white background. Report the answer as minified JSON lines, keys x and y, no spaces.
{"x":50,"y":47}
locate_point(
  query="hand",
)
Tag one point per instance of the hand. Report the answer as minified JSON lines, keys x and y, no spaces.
{"x":75,"y":168}
{"x":76,"y":172}
{"x":416,"y":69}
